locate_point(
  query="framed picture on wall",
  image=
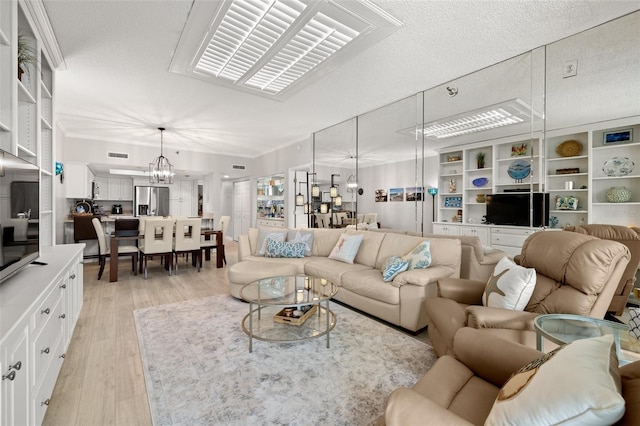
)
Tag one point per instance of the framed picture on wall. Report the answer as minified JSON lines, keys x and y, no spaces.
{"x":414,"y":193}
{"x":396,"y":194}
{"x":617,"y":136}
{"x":381,"y":195}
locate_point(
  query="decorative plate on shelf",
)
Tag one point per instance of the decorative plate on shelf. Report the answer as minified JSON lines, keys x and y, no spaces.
{"x":453,"y":202}
{"x":519,"y":170}
{"x":480,"y":182}
{"x":569,"y":148}
{"x":618,"y":166}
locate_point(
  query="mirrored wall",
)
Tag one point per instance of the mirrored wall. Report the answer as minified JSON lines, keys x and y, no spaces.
{"x":537,"y":123}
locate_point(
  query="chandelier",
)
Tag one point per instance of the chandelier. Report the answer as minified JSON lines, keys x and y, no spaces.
{"x":160,"y":169}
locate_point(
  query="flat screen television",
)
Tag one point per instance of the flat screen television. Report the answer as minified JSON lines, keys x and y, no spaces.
{"x":19,"y":214}
{"x":515,"y":209}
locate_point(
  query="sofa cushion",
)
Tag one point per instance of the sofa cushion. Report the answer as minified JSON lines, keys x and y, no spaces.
{"x":368,"y":251}
{"x":420,"y":256}
{"x":264,"y":233}
{"x":578,"y":383}
{"x":346,"y":248}
{"x":392,"y":267}
{"x":510,"y":286}
{"x":286,"y":249}
{"x":302,"y":236}
{"x":324,"y":240}
{"x":369,"y":283}
{"x":332,"y":270}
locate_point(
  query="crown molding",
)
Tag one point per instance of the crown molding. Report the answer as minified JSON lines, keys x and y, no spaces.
{"x":39,"y":19}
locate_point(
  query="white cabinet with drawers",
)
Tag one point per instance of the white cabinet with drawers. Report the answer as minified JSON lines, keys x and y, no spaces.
{"x":39,"y":309}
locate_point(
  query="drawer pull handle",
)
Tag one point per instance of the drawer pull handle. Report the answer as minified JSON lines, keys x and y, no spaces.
{"x":62,"y":356}
{"x":10,"y":376}
{"x":45,"y":402}
{"x":16,"y":366}
{"x":44,"y":351}
{"x":46,"y":311}
{"x":63,"y":316}
{"x":73,"y":276}
{"x":63,"y":286}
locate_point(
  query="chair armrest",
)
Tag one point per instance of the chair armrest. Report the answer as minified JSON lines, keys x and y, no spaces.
{"x":486,"y":317}
{"x":407,"y":407}
{"x":491,"y":357}
{"x":464,"y":291}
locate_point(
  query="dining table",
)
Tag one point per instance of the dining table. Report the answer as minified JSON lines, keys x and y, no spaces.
{"x":115,"y":239}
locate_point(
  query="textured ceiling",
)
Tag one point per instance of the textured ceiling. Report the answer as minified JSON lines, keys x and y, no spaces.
{"x":117,"y":85}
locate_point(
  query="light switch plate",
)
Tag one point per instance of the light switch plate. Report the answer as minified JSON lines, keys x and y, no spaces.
{"x":570,"y":69}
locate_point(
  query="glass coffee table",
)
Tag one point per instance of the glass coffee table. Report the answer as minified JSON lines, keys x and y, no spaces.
{"x":288,"y":309}
{"x":565,"y":328}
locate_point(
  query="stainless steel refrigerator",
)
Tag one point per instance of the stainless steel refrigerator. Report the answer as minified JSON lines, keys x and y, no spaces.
{"x":151,"y":201}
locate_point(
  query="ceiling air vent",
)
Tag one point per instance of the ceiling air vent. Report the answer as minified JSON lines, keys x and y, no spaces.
{"x":238,"y":167}
{"x":118,"y":155}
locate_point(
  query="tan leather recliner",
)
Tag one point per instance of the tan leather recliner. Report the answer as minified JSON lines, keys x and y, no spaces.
{"x":630,"y":237}
{"x":462,"y":390}
{"x":575,"y":274}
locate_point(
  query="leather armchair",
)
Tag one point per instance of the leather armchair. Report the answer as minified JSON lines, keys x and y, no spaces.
{"x":630,"y":237}
{"x":462,"y":390}
{"x":575,"y":274}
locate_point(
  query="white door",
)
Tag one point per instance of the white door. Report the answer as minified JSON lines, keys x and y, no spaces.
{"x":241,"y":208}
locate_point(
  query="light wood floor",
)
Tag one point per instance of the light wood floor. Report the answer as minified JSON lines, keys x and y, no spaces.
{"x":101,"y":381}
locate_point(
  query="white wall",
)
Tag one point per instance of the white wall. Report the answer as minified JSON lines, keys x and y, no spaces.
{"x":59,"y":190}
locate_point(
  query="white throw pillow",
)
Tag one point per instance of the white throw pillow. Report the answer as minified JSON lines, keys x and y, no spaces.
{"x":346,"y":248}
{"x":576,"y":384}
{"x":265,"y":233}
{"x":420,"y":256}
{"x":510,"y":286}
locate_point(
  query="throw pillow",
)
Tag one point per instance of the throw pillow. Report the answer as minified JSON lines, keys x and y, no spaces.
{"x":305,"y":237}
{"x":392,"y":267}
{"x":277,"y":248}
{"x":576,"y":384}
{"x":510,"y":286}
{"x":346,"y":248}
{"x":265,"y":233}
{"x":419,"y":257}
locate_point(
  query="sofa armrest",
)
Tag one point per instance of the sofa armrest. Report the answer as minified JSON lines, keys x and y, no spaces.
{"x":491,"y":357}
{"x":407,"y":407}
{"x":486,"y":317}
{"x":492,"y":257}
{"x":464,"y":291}
{"x":422,"y":277}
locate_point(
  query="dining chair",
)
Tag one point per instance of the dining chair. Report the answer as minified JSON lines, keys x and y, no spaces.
{"x":158,"y":241}
{"x":187,"y":240}
{"x":126,"y":227}
{"x":209,"y":244}
{"x":104,"y":250}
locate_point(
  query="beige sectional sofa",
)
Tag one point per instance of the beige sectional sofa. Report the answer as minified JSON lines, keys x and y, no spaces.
{"x":361,"y":285}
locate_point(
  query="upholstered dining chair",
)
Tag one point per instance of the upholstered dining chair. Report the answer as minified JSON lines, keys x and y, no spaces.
{"x":187,"y":240}
{"x":105,"y":250}
{"x":212,"y":243}
{"x":158,"y":241}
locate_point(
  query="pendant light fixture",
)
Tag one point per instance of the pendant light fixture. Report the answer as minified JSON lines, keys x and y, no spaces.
{"x":160,"y":169}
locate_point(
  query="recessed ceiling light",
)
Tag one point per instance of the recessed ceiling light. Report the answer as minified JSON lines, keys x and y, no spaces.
{"x":269,"y":46}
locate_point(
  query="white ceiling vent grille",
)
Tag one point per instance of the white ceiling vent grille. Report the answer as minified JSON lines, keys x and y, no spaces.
{"x":238,"y":166}
{"x":268,"y":46}
{"x":122,"y":155}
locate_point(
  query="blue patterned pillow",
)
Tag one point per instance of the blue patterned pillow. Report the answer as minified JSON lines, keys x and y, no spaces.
{"x":277,"y":248}
{"x":419,"y":257}
{"x":392,"y":267}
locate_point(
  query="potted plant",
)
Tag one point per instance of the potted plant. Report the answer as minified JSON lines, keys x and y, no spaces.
{"x":26,"y":55}
{"x":480,"y":160}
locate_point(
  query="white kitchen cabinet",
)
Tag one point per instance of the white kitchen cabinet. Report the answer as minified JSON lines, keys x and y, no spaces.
{"x":39,"y":308}
{"x":102,"y":188}
{"x":181,"y":200}
{"x":120,"y":189}
{"x":439,"y":228}
{"x":78,"y":178}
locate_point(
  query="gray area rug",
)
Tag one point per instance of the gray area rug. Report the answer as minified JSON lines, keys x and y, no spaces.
{"x":198,"y":369}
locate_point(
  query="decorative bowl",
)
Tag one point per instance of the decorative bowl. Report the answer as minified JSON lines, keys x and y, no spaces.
{"x":519,"y":170}
{"x":480,"y":182}
{"x":618,"y":166}
{"x":569,"y":148}
{"x":619,"y":194}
